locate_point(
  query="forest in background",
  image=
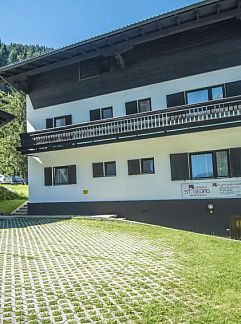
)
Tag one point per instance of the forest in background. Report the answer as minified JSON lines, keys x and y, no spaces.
{"x":11,"y":161}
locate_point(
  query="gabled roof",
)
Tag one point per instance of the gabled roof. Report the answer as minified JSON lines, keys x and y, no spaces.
{"x":5,"y":117}
{"x":123,"y":39}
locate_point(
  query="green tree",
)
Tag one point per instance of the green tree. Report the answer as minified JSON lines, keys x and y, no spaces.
{"x":11,"y":161}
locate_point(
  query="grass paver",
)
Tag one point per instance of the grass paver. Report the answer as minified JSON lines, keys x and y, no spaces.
{"x":84,"y":271}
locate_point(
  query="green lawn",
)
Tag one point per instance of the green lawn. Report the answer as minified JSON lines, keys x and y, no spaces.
{"x":211,"y":267}
{"x":89,"y":271}
{"x":7,"y":206}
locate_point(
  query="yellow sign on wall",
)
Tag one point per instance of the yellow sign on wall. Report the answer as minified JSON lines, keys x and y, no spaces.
{"x":85,"y":191}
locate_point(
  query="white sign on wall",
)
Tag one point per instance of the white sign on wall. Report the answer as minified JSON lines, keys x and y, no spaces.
{"x":223,"y":189}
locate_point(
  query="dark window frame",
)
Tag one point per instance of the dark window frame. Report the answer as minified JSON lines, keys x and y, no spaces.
{"x":147,"y":159}
{"x":209,"y":89}
{"x":54,"y":172}
{"x":100,"y":110}
{"x":60,"y":117}
{"x":140,"y":100}
{"x":104,"y":168}
{"x":106,"y":108}
{"x":138,"y":105}
{"x":214,"y":164}
{"x":49,"y":175}
{"x":141,"y":166}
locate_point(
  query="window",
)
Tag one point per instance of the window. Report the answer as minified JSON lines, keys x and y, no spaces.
{"x":110,"y":169}
{"x":104,"y":169}
{"x":210,"y":165}
{"x":222,"y":164}
{"x":204,"y":95}
{"x":62,"y":175}
{"x":102,"y":113}
{"x":204,"y":165}
{"x":147,"y":166}
{"x":141,"y":166}
{"x":197,"y":96}
{"x":59,"y":121}
{"x":106,"y":113}
{"x":138,"y":106}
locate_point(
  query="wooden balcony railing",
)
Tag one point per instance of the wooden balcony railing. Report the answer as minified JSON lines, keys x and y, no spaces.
{"x":220,"y":113}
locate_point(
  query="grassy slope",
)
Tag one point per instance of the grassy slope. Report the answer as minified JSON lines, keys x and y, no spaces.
{"x":7,"y":206}
{"x":212,"y":267}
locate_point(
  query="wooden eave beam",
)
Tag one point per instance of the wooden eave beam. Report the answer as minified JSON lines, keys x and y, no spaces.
{"x":164,"y":32}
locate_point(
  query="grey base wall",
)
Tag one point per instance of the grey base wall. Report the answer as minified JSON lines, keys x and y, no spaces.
{"x":192,"y":215}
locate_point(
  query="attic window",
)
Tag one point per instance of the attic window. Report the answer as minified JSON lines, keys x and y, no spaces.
{"x":88,"y":69}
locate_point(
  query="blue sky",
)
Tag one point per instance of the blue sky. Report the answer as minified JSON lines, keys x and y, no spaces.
{"x":56,"y":23}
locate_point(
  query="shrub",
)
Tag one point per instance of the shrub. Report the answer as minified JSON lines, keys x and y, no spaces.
{"x":8,"y":194}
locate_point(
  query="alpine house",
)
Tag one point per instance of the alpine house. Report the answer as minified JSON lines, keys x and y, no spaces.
{"x":143,"y":122}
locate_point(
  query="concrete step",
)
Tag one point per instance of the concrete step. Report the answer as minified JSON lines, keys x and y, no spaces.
{"x":21,"y":210}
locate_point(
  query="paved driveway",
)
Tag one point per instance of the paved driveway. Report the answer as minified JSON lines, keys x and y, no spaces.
{"x":71,"y":271}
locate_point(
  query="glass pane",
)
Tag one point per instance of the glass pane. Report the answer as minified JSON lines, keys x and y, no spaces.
{"x":222,"y":164}
{"x":197,"y":96}
{"x":202,"y":165}
{"x":61,"y":176}
{"x":98,"y":170}
{"x":107,"y":113}
{"x":144,"y":105}
{"x":217,"y":93}
{"x":147,"y":165}
{"x":60,"y":122}
{"x":134,"y":167}
{"x":110,"y":169}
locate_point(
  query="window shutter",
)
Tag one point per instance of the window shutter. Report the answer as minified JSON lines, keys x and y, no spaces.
{"x":72,"y":174}
{"x":134,"y":167}
{"x":131,"y":107}
{"x":98,"y":170}
{"x":95,"y":114}
{"x":179,"y":166}
{"x":68,"y":119}
{"x":235,"y":161}
{"x":176,"y":99}
{"x":48,"y":177}
{"x":233,"y":89}
{"x":49,"y":123}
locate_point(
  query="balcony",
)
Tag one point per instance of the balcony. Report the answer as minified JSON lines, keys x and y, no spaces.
{"x":189,"y":118}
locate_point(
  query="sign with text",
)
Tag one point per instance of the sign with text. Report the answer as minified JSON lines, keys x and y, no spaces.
{"x":218,"y":189}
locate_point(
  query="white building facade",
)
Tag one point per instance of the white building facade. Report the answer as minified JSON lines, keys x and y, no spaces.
{"x":147,"y":128}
